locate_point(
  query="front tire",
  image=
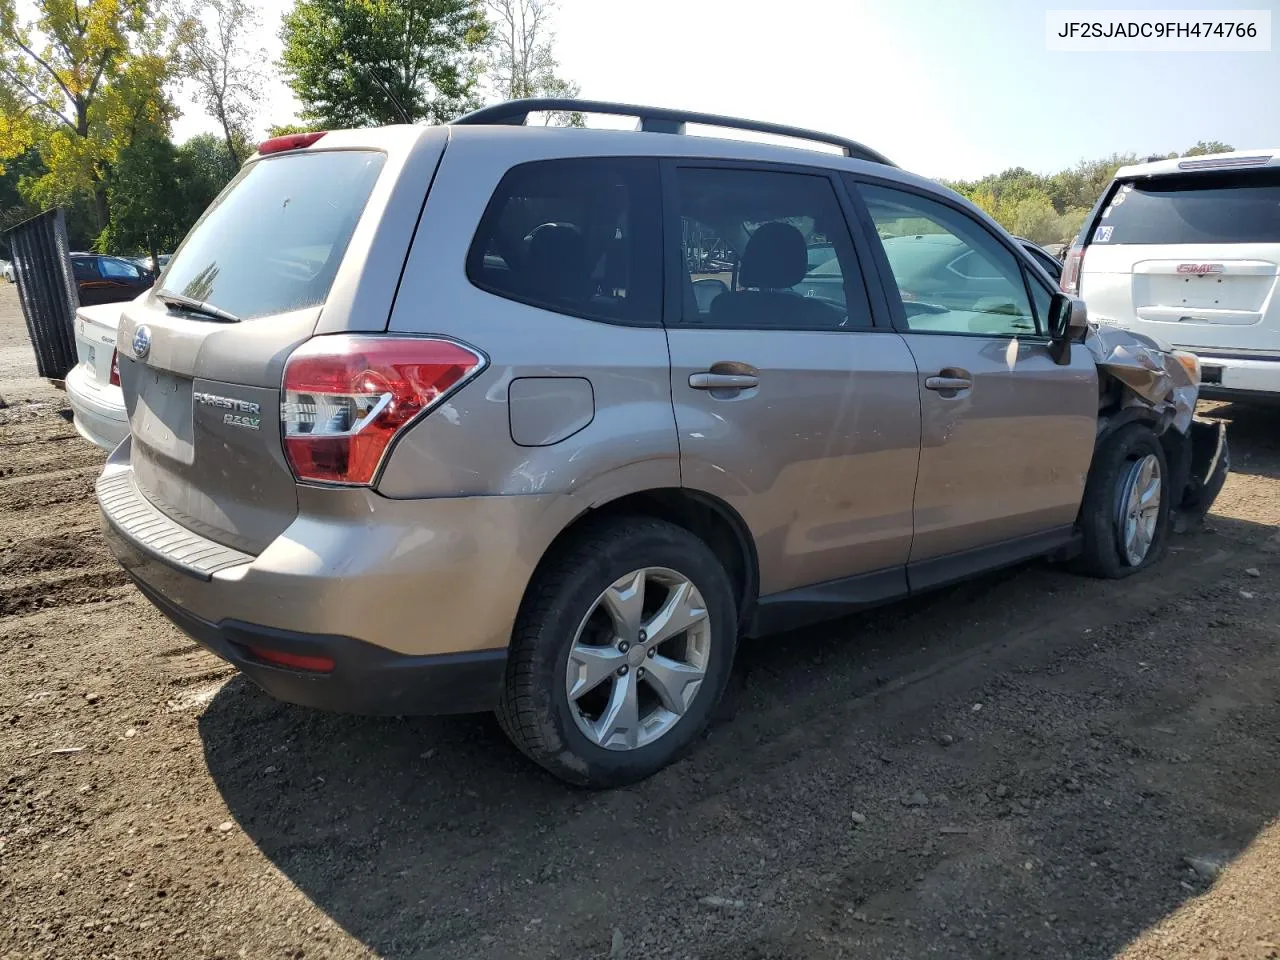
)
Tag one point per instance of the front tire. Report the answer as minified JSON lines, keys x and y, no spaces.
{"x":1124,"y":517}
{"x":622,"y":648}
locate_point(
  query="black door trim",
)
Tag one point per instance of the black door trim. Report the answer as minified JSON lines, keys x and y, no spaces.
{"x":940,"y":571}
{"x":832,"y":599}
{"x":805,"y":606}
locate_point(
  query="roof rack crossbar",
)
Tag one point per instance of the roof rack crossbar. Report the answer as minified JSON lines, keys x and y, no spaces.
{"x":658,"y":120}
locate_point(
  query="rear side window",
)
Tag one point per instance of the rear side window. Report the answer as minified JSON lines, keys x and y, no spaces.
{"x":118,"y":269}
{"x":274,"y":239}
{"x":577,"y":236}
{"x":766,"y":249}
{"x":1237,"y":207}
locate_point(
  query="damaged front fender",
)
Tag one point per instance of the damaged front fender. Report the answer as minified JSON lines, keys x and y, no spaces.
{"x":1141,"y":378}
{"x":1150,"y":374}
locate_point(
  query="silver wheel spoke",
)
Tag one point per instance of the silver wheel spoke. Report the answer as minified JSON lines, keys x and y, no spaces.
{"x":622,"y":692}
{"x":1140,"y":496}
{"x":590,"y":666}
{"x":675,"y":683}
{"x":1151,"y":493}
{"x":619,"y":724}
{"x":682,"y":610}
{"x":625,"y":602}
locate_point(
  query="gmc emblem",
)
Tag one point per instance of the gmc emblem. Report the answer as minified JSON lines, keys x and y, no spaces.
{"x":1200,"y":268}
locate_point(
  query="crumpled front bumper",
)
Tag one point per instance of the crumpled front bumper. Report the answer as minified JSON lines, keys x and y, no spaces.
{"x":1210,"y":460}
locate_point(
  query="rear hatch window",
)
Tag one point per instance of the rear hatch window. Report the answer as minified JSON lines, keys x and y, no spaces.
{"x":1238,"y":207}
{"x":203,"y":411}
{"x":1194,"y":256}
{"x":274,"y":239}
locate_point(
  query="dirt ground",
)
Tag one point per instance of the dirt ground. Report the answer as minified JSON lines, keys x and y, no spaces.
{"x":1030,"y":765}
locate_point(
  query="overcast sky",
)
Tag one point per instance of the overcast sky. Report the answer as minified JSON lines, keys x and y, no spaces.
{"x":943,"y":87}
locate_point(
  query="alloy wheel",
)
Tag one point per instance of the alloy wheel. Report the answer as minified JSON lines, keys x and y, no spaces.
{"x":1139,"y":508}
{"x":638,"y":659}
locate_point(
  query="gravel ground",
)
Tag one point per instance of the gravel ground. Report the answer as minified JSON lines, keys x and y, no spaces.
{"x":1029,"y":765}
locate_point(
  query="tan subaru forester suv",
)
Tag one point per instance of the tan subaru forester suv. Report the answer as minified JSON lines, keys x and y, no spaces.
{"x":495,"y":416}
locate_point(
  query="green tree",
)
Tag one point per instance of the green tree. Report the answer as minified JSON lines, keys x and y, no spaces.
{"x":208,"y":167}
{"x":283,"y":129}
{"x":146,"y":195}
{"x":1203,"y":147}
{"x":81,"y":216}
{"x":356,"y":63}
{"x":158,"y":190}
{"x":14,"y":207}
{"x":77,"y":83}
{"x":1033,"y":216}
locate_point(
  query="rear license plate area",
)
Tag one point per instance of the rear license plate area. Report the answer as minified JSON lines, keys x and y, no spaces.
{"x":1210,"y":373}
{"x":161,"y":415}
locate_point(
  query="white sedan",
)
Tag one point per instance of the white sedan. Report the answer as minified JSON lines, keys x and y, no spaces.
{"x":93,"y":385}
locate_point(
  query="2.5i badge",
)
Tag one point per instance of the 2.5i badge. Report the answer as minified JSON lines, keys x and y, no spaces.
{"x":238,"y":413}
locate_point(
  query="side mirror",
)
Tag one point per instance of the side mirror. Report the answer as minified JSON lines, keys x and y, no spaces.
{"x":1068,"y":318}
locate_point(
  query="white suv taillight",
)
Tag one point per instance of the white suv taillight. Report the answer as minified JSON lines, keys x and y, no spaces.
{"x":115,"y":369}
{"x":1070,"y":282}
{"x":346,"y":397}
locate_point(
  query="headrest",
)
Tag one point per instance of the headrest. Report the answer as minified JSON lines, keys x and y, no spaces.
{"x":556,"y":262}
{"x":775,"y":257}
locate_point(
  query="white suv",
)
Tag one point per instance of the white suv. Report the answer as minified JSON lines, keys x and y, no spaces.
{"x":1187,"y":251}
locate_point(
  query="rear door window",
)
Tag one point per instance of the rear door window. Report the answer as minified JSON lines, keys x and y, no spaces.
{"x":577,"y":236}
{"x":117,"y":269}
{"x":85,"y":268}
{"x":273,"y":241}
{"x":1238,"y":207}
{"x":766,"y":249}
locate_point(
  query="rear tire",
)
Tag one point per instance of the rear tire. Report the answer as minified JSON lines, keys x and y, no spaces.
{"x":1125,"y":527}
{"x":577,"y":631}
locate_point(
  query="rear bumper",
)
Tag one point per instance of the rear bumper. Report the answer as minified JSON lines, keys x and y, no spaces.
{"x":100,"y":416}
{"x":1235,"y":377}
{"x":413,"y":601}
{"x":365,"y":679}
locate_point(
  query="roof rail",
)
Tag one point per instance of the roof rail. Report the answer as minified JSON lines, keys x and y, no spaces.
{"x":658,"y":120}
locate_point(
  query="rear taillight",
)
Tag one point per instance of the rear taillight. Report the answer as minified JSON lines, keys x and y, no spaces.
{"x":346,"y":398}
{"x":1070,"y":282}
{"x":115,"y":368}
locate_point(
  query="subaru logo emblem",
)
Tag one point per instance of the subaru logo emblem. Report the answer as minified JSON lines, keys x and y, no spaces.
{"x":142,"y":341}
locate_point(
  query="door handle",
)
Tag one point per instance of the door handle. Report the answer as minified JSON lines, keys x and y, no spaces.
{"x":947,"y":383}
{"x":723,"y":381}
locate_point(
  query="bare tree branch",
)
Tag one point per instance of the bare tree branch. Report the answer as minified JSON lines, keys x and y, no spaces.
{"x":39,"y":101}
{"x":48,"y":69}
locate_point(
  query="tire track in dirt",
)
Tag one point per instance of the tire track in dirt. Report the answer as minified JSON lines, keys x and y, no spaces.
{"x":47,"y":489}
{"x":53,"y":590}
{"x":58,"y":518}
{"x":49,"y":552}
{"x":60,"y":453}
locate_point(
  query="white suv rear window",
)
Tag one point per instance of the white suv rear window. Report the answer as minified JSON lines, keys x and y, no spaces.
{"x":1205,"y":208}
{"x":274,"y":239}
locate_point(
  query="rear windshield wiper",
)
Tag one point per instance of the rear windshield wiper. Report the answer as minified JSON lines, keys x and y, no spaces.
{"x":192,"y":305}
